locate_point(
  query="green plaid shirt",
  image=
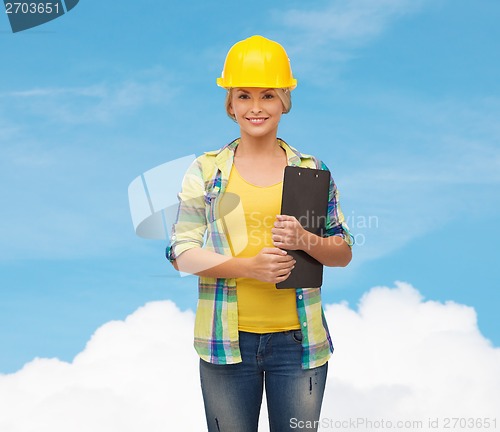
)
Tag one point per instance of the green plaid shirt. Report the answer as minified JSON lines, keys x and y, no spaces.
{"x":197,"y":225}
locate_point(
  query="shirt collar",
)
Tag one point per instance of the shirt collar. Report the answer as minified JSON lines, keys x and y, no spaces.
{"x":225,"y":156}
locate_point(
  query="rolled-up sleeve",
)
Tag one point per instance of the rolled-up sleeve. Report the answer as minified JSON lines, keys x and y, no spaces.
{"x":190,"y":225}
{"x":335,"y":221}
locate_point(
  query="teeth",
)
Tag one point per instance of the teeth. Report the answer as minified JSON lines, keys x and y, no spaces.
{"x":256,"y":120}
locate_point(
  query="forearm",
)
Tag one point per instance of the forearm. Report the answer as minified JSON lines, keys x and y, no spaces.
{"x":330,"y":251}
{"x":271,"y":265}
{"x":202,"y":262}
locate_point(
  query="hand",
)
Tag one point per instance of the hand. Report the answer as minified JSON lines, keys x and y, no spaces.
{"x":271,"y":265}
{"x":288,"y":233}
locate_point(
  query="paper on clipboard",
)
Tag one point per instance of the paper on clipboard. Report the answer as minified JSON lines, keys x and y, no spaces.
{"x":305,"y":196}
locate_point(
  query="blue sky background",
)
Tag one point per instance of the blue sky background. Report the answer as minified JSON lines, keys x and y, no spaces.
{"x":400,"y":98}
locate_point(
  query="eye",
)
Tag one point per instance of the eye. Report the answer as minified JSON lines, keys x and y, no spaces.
{"x":268,"y":96}
{"x":243,"y":96}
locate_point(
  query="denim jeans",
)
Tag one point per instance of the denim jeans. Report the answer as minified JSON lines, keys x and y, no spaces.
{"x":233,"y":393}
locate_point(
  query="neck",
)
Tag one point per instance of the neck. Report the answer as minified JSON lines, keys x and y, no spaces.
{"x":250,"y":146}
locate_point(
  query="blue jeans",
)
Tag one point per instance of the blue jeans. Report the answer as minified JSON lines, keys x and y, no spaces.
{"x":233,"y":393}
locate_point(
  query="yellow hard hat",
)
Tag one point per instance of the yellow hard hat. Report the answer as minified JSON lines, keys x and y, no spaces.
{"x":257,"y":62}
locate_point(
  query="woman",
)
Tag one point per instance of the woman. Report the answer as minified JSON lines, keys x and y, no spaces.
{"x":249,"y":334}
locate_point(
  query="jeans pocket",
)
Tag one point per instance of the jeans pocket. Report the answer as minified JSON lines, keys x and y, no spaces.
{"x":297,"y":336}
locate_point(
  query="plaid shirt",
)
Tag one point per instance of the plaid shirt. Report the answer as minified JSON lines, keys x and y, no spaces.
{"x":216,"y":323}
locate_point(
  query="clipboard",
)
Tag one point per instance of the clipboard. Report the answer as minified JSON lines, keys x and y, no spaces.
{"x":305,"y":196}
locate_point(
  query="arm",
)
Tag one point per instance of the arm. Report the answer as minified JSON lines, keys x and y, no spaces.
{"x":334,"y":249}
{"x":269,"y":265}
{"x":330,"y":251}
{"x":187,"y":255}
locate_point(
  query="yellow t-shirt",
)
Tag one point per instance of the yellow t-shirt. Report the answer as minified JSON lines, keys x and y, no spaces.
{"x":262,"y":308}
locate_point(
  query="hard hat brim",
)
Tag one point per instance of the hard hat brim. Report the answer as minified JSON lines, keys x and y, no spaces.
{"x":221,"y":83}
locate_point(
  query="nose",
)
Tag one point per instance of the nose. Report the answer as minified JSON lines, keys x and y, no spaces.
{"x":256,"y":109}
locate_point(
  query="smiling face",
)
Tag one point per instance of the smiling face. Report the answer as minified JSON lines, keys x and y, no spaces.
{"x":257,"y":111}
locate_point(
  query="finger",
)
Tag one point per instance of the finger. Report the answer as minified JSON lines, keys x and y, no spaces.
{"x":284,"y":261}
{"x":274,"y":251}
{"x":283,"y":243}
{"x":279,"y":244}
{"x":279,"y":229}
{"x":280,"y":261}
{"x":285,"y":217}
{"x":284,"y":267}
{"x":280,"y":257}
{"x":282,"y":278}
{"x":285,"y":273}
{"x":283,"y":224}
{"x":282,"y":236}
{"x":284,"y":246}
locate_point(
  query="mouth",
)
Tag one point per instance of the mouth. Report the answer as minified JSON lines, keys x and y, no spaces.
{"x":257,"y":120}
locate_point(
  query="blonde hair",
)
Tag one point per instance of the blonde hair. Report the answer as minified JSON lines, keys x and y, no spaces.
{"x":284,"y":94}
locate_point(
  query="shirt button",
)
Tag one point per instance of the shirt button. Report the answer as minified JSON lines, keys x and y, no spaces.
{"x":304,"y":324}
{"x":300,"y":297}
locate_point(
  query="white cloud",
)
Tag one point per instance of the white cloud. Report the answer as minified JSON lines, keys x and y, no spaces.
{"x":137,"y":374}
{"x":397,"y":357}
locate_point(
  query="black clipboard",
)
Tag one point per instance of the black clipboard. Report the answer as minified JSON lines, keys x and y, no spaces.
{"x":305,"y":196}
